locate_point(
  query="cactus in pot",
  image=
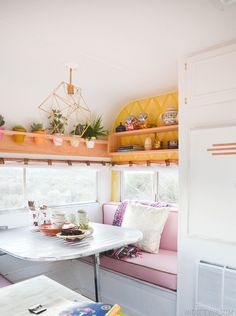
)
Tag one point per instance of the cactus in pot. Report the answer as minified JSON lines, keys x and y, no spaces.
{"x":2,"y":122}
{"x":19,"y":138}
{"x":38,"y":128}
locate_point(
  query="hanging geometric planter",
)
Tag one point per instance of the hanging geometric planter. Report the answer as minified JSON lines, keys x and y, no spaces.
{"x":66,"y":103}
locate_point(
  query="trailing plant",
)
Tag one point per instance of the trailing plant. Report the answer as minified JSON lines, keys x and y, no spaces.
{"x":58,"y":122}
{"x":94,"y":129}
{"x":2,"y":121}
{"x":37,"y":127}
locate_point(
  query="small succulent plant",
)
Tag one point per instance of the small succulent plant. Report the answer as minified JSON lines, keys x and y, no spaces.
{"x":37,"y":127}
{"x":17,"y":127}
{"x":58,"y":122}
{"x":2,"y":121}
{"x":95,"y":129}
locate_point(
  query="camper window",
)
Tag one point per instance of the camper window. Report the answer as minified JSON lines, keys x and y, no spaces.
{"x":50,"y":186}
{"x":160,"y":184}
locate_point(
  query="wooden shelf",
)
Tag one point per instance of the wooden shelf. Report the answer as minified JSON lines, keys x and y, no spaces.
{"x":145,"y":152}
{"x":134,"y":137}
{"x":160,"y":129}
{"x":50,"y":136}
{"x":8,"y":145}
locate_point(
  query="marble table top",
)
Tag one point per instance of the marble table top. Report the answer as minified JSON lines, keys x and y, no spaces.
{"x":35,"y":246}
{"x":17,"y":298}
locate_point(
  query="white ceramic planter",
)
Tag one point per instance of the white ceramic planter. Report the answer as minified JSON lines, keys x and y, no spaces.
{"x":57,"y":140}
{"x":74,"y":141}
{"x":90,"y":143}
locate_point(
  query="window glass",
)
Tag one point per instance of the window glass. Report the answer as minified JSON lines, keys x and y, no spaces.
{"x":61,"y":186}
{"x":141,"y":185}
{"x":138,"y":185}
{"x":11,"y":188}
{"x":168,"y":186}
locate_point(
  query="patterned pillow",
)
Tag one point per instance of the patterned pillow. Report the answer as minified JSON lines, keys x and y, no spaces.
{"x":119,"y":214}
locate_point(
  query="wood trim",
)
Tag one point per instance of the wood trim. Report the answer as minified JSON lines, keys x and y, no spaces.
{"x":166,"y":162}
{"x":50,"y":162}
{"x":224,"y":144}
{"x":225,"y":153}
{"x":221,"y":148}
{"x":144,"y":152}
{"x":53,"y":161}
{"x":153,"y":130}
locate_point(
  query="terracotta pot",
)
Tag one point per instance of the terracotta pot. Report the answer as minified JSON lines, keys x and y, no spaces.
{"x":58,"y":140}
{"x":39,"y":139}
{"x":17,"y":137}
{"x":1,"y":134}
{"x":90,"y":143}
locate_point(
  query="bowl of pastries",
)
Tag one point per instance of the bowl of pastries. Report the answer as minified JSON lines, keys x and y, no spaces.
{"x":72,"y":232}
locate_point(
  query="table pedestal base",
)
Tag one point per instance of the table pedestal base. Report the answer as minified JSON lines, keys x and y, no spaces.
{"x":97,"y":277}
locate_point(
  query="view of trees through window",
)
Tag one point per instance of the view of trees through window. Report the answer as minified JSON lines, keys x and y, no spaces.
{"x":151,"y":185}
{"x":48,"y":186}
{"x":60,"y":186}
{"x":11,"y":188}
{"x":138,"y":185}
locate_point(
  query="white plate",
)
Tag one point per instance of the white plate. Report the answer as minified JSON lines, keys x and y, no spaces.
{"x":87,"y":233}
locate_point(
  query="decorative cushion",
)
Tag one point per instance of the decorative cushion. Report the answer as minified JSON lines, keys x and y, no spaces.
{"x":119,"y":214}
{"x":150,"y":221}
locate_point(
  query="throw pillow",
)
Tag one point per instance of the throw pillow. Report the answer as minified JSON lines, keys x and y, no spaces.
{"x":150,"y":221}
{"x":119,"y":214}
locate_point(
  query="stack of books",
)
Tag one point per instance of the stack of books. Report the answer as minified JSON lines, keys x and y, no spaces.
{"x":93,"y":309}
{"x":125,"y":148}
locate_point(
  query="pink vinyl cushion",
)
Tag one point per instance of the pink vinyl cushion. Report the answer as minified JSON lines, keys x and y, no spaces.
{"x":169,"y":234}
{"x":159,"y":269}
{"x":3,"y":281}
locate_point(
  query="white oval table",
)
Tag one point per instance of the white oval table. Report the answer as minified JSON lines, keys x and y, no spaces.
{"x":34,"y":246}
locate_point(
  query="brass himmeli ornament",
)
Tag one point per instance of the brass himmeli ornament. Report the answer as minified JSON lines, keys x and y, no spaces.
{"x":68,"y":99}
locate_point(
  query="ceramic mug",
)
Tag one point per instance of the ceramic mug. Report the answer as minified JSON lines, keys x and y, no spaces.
{"x":82,"y":219}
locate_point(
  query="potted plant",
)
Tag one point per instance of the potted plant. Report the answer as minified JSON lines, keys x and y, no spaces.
{"x":38,"y":128}
{"x":57,"y":126}
{"x":2,"y":122}
{"x":94,"y":130}
{"x":75,"y":134}
{"x":19,"y":138}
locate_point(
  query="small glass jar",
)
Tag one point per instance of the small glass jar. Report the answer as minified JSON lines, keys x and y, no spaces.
{"x":82,"y":219}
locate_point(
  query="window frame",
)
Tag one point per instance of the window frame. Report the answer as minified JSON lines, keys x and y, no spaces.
{"x":122,"y":181}
{"x":25,"y":204}
{"x":155,"y":185}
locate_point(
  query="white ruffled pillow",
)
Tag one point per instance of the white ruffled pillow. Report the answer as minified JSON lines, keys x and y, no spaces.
{"x":150,"y":221}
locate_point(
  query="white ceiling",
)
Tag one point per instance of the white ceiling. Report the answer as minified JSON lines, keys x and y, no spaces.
{"x":124,"y":49}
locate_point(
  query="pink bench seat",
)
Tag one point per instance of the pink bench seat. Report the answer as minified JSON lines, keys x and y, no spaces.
{"x":159,"y":269}
{"x":3,"y":281}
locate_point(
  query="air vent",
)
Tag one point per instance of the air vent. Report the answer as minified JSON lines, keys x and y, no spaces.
{"x":216,"y":288}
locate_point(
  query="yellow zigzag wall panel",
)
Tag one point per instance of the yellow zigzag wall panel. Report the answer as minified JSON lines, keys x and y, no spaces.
{"x":115,"y":189}
{"x":154,"y":107}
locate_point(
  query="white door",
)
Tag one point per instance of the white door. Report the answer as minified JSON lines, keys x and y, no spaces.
{"x":211,"y":77}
